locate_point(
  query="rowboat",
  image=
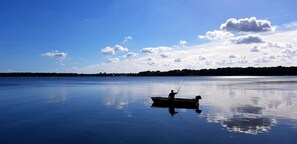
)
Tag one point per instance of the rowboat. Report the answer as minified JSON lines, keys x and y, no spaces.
{"x":176,"y":102}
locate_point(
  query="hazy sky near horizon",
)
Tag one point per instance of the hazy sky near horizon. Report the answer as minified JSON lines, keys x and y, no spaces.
{"x":91,"y":36}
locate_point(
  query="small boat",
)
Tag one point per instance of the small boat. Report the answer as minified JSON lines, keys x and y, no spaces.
{"x":176,"y":102}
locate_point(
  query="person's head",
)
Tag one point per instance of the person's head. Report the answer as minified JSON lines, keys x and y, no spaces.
{"x":172,"y":91}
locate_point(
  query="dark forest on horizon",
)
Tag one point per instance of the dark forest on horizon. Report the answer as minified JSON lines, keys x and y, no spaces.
{"x":229,"y":71}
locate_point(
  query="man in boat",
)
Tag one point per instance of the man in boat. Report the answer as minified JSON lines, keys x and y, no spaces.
{"x":171,"y":95}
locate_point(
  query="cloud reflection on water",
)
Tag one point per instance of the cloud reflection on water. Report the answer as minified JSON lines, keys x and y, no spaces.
{"x":59,"y":95}
{"x":248,"y":105}
{"x":246,"y":119}
{"x":251,"y":108}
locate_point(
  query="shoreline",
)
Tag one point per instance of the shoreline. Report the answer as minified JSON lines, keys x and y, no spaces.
{"x":229,"y":71}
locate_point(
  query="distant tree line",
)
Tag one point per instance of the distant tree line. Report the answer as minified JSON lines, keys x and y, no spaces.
{"x":229,"y":71}
{"x":234,"y":71}
{"x":32,"y":74}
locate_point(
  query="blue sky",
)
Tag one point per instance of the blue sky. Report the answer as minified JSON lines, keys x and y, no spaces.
{"x":72,"y":35}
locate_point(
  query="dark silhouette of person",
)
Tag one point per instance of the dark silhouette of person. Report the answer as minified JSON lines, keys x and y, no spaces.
{"x":172,"y":111}
{"x":171,"y":95}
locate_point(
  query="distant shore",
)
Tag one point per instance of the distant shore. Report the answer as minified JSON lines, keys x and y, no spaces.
{"x":229,"y":71}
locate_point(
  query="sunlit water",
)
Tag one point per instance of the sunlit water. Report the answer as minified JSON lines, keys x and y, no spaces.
{"x":118,"y":110}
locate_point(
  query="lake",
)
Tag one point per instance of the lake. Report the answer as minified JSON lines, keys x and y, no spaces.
{"x":115,"y":110}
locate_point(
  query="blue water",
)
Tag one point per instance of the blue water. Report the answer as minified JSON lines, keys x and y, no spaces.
{"x":118,"y":110}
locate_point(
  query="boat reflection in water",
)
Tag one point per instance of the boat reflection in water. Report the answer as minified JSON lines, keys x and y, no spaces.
{"x":180,"y":103}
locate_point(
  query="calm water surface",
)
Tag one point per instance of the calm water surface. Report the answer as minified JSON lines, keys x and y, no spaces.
{"x":118,"y":110}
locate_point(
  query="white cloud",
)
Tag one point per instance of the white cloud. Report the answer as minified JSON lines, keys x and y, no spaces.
{"x":155,"y":50}
{"x":247,"y":39}
{"x":107,"y":50}
{"x":148,"y":59}
{"x":213,"y":55}
{"x":232,"y":56}
{"x":165,"y":55}
{"x":243,"y":60}
{"x":112,"y":50}
{"x":131,"y":55}
{"x":271,"y":45}
{"x":201,"y":58}
{"x":120,"y":48}
{"x":216,"y":35}
{"x":182,"y":42}
{"x":113,"y":60}
{"x":61,"y":56}
{"x":291,"y":25}
{"x":255,"y":49}
{"x":278,"y":45}
{"x":126,"y":39}
{"x":277,"y":49}
{"x":151,"y":63}
{"x":264,"y":59}
{"x":288,"y":53}
{"x":149,"y":50}
{"x":178,"y":60}
{"x":246,"y":25}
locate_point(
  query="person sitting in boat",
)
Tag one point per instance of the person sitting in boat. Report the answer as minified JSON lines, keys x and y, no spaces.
{"x":172,"y":94}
